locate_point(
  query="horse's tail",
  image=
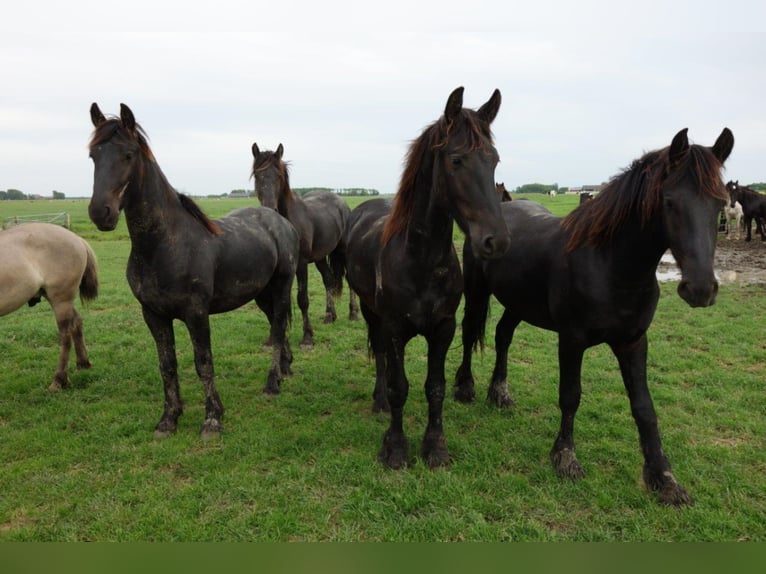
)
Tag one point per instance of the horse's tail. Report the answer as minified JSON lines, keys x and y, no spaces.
{"x":89,"y":280}
{"x":337,"y":260}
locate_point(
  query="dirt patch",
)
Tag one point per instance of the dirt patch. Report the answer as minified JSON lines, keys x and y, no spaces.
{"x":740,"y":261}
{"x":736,"y":261}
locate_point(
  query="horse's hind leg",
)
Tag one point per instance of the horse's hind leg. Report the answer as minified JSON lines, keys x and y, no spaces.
{"x":374,"y":334}
{"x":302,"y":276}
{"x":276,"y":299}
{"x":434,"y":447}
{"x":474,"y":320}
{"x":330,"y":290}
{"x":65,"y":321}
{"x":353,"y":305}
{"x":498,"y":393}
{"x":81,"y":351}
{"x":657,"y":473}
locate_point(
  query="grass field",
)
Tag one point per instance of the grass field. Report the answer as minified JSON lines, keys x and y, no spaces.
{"x":83,"y":464}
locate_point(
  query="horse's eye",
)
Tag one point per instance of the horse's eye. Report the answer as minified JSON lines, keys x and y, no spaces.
{"x":456,"y":160}
{"x":128,"y":156}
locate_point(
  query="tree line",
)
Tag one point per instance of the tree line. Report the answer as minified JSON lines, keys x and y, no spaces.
{"x":15,"y":194}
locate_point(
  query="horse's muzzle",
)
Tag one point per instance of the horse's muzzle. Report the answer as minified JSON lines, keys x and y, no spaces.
{"x":698,"y":294}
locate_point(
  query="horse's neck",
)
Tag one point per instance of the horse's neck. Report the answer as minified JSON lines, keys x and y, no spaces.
{"x":429,"y":232}
{"x":287,"y":201}
{"x":637,"y":249}
{"x":151,"y":206}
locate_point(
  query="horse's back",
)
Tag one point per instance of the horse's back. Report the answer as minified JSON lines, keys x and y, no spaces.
{"x":258,"y":232}
{"x":40,"y":257}
{"x":328,"y":217}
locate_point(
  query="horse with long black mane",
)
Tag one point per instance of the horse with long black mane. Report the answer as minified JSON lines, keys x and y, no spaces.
{"x":184,"y":266}
{"x":753,"y":207}
{"x":41,"y":260}
{"x":591,"y":277}
{"x":320,"y":217}
{"x":403,"y":265}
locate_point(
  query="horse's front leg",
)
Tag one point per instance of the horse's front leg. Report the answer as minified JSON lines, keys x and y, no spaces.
{"x":302,"y":277}
{"x":434,"y":448}
{"x":161,"y":328}
{"x":657,"y":473}
{"x":562,"y":454}
{"x":395,"y":451}
{"x":198,"y":324}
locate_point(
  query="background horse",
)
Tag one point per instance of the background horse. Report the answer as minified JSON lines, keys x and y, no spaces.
{"x":184,"y":266}
{"x":403,"y":265}
{"x":320,"y":218}
{"x":732,"y":212}
{"x":591,"y":278}
{"x":45,"y":260}
{"x":753,"y":207}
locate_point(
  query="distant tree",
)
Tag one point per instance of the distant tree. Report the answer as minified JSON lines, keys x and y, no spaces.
{"x":15,"y":194}
{"x":761,"y":186}
{"x":536,"y":188}
{"x":58,"y":195}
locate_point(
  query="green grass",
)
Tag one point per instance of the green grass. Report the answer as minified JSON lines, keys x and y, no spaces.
{"x":83,"y":464}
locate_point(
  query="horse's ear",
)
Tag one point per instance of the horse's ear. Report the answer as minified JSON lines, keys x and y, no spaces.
{"x":679,"y":146}
{"x":454,"y":104}
{"x":280,"y":151}
{"x":95,"y":115}
{"x":723,"y":145}
{"x":488,"y":111}
{"x":128,"y":120}
{"x":255,"y":149}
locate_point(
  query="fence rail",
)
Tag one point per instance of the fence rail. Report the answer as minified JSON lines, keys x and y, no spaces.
{"x":56,"y":218}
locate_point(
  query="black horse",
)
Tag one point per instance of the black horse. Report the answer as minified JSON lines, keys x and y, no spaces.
{"x":591,"y":278}
{"x":753,"y":207}
{"x":403,"y":265}
{"x":320,"y":218}
{"x":184,"y":266}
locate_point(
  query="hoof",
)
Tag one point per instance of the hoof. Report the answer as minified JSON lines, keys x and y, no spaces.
{"x":667,"y":489}
{"x":86,"y":364}
{"x":211,"y":429}
{"x":329,"y":318}
{"x":566,"y":465}
{"x":434,"y":452}
{"x":499,"y":396}
{"x":395,"y":452}
{"x":59,"y":382}
{"x":465,"y":393}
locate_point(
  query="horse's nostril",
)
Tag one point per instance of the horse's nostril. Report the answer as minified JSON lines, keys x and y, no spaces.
{"x":489,"y":244}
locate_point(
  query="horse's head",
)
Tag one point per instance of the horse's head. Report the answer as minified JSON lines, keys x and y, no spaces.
{"x":733,"y":188}
{"x":270,"y":175}
{"x":692,"y":194}
{"x":116,"y":148}
{"x":464,"y":173}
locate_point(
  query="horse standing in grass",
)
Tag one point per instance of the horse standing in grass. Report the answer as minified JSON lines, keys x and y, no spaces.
{"x":591,"y":277}
{"x":403,"y":265}
{"x":320,"y":217}
{"x":44,"y":260}
{"x":185,"y":266}
{"x":753,"y":207}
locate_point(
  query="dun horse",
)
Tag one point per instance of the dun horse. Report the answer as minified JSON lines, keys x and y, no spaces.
{"x":591,"y":278}
{"x":44,"y":260}
{"x":320,"y":217}
{"x":403,"y":265}
{"x":184,"y":266}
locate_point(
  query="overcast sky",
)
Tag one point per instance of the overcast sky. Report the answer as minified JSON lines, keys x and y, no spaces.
{"x":587,"y":85}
